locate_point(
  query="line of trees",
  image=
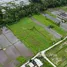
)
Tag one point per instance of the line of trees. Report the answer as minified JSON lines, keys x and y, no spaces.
{"x":10,"y":15}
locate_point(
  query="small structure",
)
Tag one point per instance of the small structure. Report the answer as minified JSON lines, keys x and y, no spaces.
{"x":63,"y":15}
{"x":31,"y":64}
{"x":3,"y":49}
{"x":38,"y":62}
{"x":23,"y":66}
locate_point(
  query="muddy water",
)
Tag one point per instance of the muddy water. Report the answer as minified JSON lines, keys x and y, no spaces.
{"x":4,"y":42}
{"x":12,"y":50}
{"x":13,"y":63}
{"x":3,"y":57}
{"x":23,"y":50}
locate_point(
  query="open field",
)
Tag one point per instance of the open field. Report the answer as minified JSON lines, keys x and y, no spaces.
{"x":48,"y":22}
{"x":58,"y":54}
{"x":32,"y":35}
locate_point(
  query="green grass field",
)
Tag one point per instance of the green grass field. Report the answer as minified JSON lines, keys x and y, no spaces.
{"x":48,"y":22}
{"x":58,"y":54}
{"x":32,"y":35}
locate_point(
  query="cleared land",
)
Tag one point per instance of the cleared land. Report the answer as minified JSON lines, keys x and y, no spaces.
{"x":58,"y":54}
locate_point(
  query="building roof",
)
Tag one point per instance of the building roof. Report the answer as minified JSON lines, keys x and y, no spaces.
{"x":23,"y":66}
{"x":39,"y":63}
{"x":31,"y":64}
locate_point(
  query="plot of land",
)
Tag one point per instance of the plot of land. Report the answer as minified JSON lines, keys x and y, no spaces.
{"x":4,"y":42}
{"x":33,"y":36}
{"x":48,"y":22}
{"x":53,"y":32}
{"x":58,"y":54}
{"x":28,"y":37}
{"x":13,"y":63}
{"x":14,"y":48}
{"x":45,"y":63}
{"x":56,"y":21}
{"x":63,"y":8}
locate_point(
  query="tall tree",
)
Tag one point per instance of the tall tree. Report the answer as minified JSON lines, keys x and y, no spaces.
{"x":1,"y":16}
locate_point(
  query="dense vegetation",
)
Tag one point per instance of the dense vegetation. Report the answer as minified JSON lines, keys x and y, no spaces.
{"x":14,"y":13}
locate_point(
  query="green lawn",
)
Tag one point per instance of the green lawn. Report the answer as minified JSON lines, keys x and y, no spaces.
{"x":48,"y":22}
{"x":32,"y":35}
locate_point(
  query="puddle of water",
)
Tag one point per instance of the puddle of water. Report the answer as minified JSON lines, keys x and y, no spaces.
{"x":11,"y":37}
{"x":13,"y":63}
{"x":12,"y":52}
{"x":23,"y":50}
{"x":3,"y":58}
{"x":4,"y":42}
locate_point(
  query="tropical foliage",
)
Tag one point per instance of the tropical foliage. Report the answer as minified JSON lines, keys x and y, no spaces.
{"x":16,"y":12}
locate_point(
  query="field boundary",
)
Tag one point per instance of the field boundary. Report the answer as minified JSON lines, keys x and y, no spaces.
{"x":44,"y":51}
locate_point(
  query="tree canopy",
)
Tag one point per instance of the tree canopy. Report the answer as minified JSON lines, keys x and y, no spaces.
{"x":16,"y":12}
